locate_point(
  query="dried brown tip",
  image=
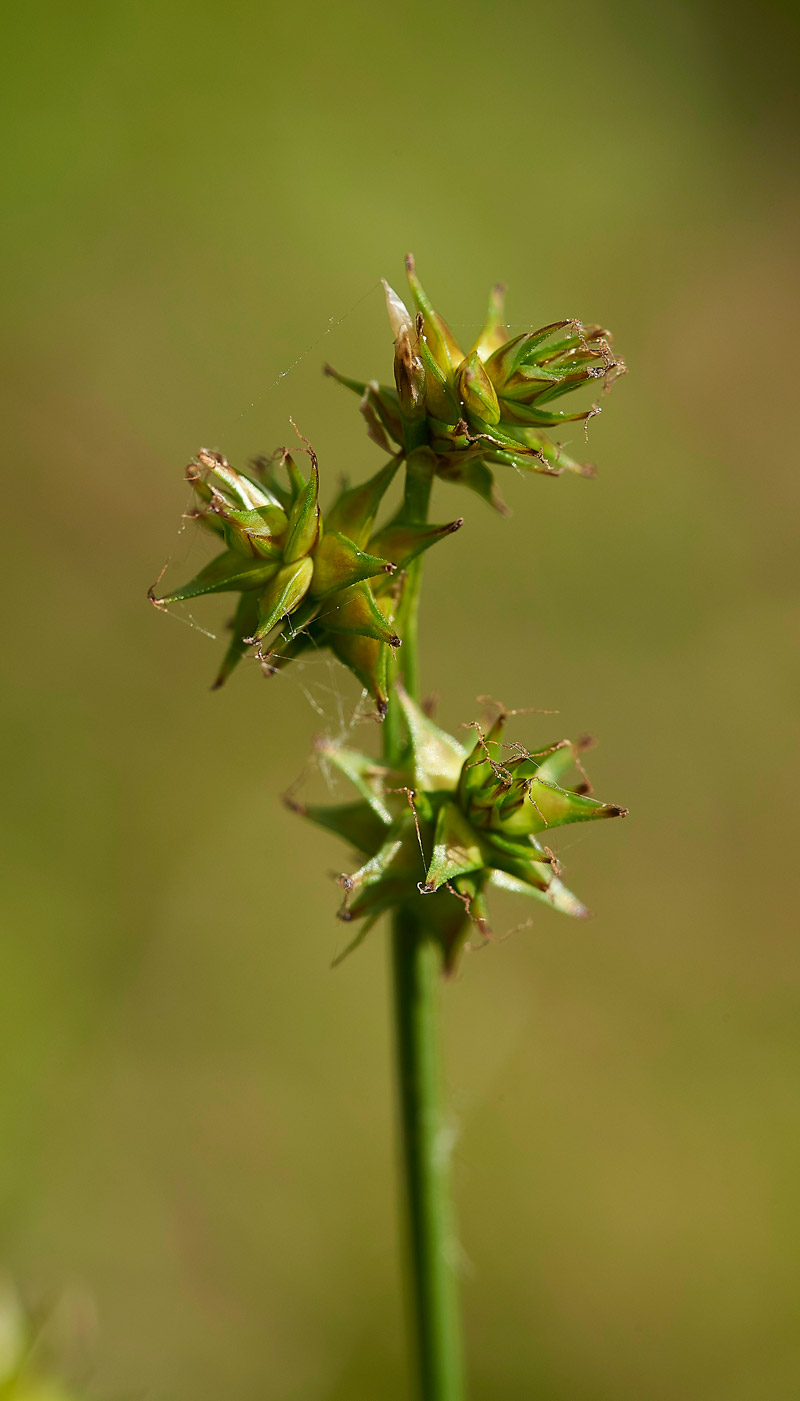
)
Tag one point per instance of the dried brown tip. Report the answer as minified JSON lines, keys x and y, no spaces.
{"x":410,"y":264}
{"x":156,"y":602}
{"x":308,"y":447}
{"x":208,"y":458}
{"x":294,"y":804}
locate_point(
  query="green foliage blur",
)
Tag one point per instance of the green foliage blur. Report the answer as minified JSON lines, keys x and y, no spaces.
{"x":195,"y":1112}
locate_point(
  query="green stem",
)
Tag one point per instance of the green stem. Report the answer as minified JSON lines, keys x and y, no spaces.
{"x":415,"y":508}
{"x":426,"y":1154}
{"x":417,"y":978}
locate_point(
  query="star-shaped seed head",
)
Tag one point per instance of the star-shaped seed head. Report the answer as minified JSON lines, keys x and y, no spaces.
{"x":452,"y":820}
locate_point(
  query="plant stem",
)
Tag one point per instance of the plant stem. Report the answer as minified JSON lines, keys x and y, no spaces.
{"x":426,"y":1155}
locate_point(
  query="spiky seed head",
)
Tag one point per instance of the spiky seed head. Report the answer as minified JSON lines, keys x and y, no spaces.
{"x":303,"y":579}
{"x":453,"y":820}
{"x":494,"y":404}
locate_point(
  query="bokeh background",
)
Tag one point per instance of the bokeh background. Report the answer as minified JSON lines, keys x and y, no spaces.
{"x":196,"y":1113}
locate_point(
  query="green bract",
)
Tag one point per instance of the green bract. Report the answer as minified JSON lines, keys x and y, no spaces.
{"x":491,"y":404}
{"x":302,"y":583}
{"x":448,"y":821}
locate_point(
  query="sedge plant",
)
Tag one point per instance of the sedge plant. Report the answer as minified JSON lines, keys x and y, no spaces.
{"x":435,"y":821}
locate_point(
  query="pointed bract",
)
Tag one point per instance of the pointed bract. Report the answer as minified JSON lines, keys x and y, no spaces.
{"x":284,"y":594}
{"x":493,"y":332}
{"x":456,"y":848}
{"x":231,"y":572}
{"x":401,"y":542}
{"x":437,"y":333}
{"x":367,"y":776}
{"x":436,"y":757}
{"x":304,"y":520}
{"x":338,"y":563}
{"x":369,"y":661}
{"x":243,"y":625}
{"x":355,"y":610}
{"x":356,"y":823}
{"x":354,"y":510}
{"x":555,"y":893}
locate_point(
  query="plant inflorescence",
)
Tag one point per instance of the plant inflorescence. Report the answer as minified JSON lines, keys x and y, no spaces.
{"x":437,"y":814}
{"x":437,"y":821}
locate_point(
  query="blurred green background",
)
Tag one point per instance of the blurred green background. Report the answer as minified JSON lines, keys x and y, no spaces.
{"x":197,"y":1125}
